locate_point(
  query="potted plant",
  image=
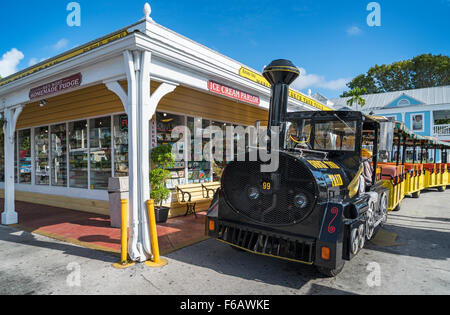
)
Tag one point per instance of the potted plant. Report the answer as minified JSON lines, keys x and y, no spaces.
{"x":162,"y":160}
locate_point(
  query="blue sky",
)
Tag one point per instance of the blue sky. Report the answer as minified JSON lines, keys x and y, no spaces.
{"x":330,"y":40}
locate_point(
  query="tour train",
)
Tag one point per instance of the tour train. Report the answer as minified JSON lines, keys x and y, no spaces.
{"x":319,"y":207}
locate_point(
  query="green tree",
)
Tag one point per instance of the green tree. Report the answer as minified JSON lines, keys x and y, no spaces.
{"x":356,"y":98}
{"x":423,"y":71}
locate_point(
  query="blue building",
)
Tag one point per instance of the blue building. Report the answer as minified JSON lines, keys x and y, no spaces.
{"x":424,"y":111}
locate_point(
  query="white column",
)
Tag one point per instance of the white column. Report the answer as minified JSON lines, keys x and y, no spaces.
{"x":140,"y":107}
{"x":9,"y":216}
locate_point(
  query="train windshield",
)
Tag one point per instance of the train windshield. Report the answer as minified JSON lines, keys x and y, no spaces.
{"x":335,"y":135}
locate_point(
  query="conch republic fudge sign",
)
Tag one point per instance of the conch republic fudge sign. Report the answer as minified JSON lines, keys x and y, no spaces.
{"x":56,"y":86}
{"x":233,"y":93}
{"x":256,"y":77}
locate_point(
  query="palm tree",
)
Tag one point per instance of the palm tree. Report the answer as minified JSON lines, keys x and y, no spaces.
{"x":356,"y":98}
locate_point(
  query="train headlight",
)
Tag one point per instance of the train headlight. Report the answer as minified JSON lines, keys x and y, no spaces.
{"x":253,"y":193}
{"x":301,"y":201}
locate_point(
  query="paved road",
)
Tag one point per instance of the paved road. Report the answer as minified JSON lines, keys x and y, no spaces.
{"x":412,"y":256}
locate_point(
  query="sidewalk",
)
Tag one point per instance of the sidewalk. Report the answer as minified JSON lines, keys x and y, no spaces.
{"x":94,"y":231}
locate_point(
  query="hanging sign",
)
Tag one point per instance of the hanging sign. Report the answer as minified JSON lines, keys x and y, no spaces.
{"x":233,"y":93}
{"x":123,"y":121}
{"x":56,"y":86}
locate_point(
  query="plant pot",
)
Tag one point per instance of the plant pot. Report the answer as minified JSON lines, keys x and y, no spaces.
{"x":161,"y":214}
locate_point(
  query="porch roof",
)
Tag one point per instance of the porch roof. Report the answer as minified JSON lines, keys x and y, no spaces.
{"x":167,"y":46}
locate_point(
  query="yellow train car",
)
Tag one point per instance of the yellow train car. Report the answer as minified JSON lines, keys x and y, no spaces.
{"x":404,"y":178}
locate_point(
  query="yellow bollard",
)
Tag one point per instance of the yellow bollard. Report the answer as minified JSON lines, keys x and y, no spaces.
{"x":157,"y":260}
{"x":124,"y":262}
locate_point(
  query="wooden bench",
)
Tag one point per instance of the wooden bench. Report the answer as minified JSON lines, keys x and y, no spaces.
{"x":193,"y":193}
{"x":210,"y":189}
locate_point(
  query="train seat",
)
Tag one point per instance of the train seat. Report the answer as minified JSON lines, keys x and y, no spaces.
{"x":389,"y":172}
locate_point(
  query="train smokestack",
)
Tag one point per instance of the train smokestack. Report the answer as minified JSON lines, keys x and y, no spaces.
{"x":280,"y":74}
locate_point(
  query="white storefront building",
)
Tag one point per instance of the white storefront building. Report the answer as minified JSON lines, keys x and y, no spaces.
{"x":94,"y":112}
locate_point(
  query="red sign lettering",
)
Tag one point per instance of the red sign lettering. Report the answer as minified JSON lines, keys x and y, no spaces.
{"x":233,"y":93}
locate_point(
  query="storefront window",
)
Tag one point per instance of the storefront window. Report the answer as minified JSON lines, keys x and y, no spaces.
{"x":219,"y":166}
{"x":165,"y":123}
{"x":41,"y":151}
{"x":78,"y":154}
{"x":59,"y":155}
{"x":2,"y":156}
{"x":238,"y":140}
{"x":25,"y":156}
{"x":199,"y":169}
{"x":100,"y":155}
{"x":121,"y":145}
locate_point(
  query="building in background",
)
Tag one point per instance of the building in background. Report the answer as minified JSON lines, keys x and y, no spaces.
{"x":424,"y":111}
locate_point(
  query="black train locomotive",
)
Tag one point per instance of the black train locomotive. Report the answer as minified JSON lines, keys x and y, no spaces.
{"x":313,"y":209}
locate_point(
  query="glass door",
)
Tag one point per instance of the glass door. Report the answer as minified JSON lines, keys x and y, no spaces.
{"x":59,"y":155}
{"x":100,"y":152}
{"x":78,"y":154}
{"x":121,"y":145}
{"x":199,"y":168}
{"x":42,"y":152}
{"x":25,"y":156}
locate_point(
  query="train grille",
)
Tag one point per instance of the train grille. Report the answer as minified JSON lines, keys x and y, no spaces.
{"x":276,"y":207}
{"x":297,"y":249}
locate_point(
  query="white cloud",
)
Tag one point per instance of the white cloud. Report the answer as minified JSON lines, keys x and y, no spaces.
{"x":354,"y":30}
{"x":335,"y":85}
{"x":9,"y":62}
{"x":32,"y":62}
{"x":61,"y":44}
{"x":306,"y":81}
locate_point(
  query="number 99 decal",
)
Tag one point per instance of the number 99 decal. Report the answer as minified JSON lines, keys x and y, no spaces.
{"x":267,"y":186}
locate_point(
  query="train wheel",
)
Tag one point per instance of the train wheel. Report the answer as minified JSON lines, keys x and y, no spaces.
{"x":383,"y":210}
{"x":354,"y":241}
{"x":416,"y":195}
{"x":362,"y":236}
{"x":442,"y":189}
{"x":370,"y":222}
{"x":330,"y":273}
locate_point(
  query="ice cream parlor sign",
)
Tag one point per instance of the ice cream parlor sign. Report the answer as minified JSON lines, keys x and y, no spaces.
{"x":233,"y":93}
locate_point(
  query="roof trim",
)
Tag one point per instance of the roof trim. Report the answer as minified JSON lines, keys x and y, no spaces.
{"x":80,"y":50}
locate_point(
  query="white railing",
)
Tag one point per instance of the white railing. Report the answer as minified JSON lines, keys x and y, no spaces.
{"x":442,"y":130}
